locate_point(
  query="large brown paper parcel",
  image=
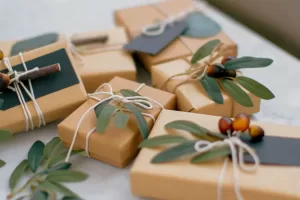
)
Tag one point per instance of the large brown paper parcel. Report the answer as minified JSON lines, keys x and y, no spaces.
{"x":191,"y":96}
{"x":54,"y":106}
{"x":133,"y":19}
{"x":103,"y":62}
{"x":115,"y":146}
{"x":181,"y":180}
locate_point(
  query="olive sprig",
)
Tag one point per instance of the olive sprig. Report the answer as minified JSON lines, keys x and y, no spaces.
{"x":179,"y":146}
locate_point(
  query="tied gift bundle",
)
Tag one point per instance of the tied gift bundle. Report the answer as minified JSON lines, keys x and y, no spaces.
{"x":193,"y":156}
{"x":210,"y":82}
{"x":169,"y":30}
{"x":38,"y":87}
{"x":117,"y":116}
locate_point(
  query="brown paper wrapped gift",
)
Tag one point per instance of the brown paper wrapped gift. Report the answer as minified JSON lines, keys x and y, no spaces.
{"x":115,"y":146}
{"x":101,"y":62}
{"x":66,"y":92}
{"x":181,"y":180}
{"x":191,"y":96}
{"x":133,"y":19}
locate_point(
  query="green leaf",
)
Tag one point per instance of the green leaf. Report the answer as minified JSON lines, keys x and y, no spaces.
{"x":57,"y":187}
{"x":104,"y":117}
{"x":142,"y":123}
{"x":71,"y":198}
{"x":121,"y":119}
{"x":161,"y":140}
{"x":100,"y":107}
{"x":175,"y":152}
{"x":204,"y":51}
{"x":66,"y":176}
{"x":17,"y":174}
{"x":255,"y":87}
{"x":236,"y":93}
{"x":5,"y":135}
{"x":60,"y":166}
{"x":2,"y":163}
{"x":50,"y":146}
{"x":35,"y":155}
{"x":1,"y":103}
{"x":247,"y":62}
{"x":129,"y":93}
{"x":211,"y":155}
{"x":39,"y":195}
{"x":58,"y":153}
{"x":212,"y":88}
{"x":200,"y":26}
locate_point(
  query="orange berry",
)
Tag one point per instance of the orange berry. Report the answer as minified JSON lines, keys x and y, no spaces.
{"x":241,"y":122}
{"x":1,"y":55}
{"x":226,"y":59}
{"x":256,"y":133}
{"x":225,"y":124}
{"x":4,"y":81}
{"x":215,"y":71}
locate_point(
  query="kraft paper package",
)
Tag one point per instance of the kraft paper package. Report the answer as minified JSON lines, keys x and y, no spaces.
{"x":276,"y":177}
{"x":134,"y":19}
{"x":56,"y":95}
{"x":115,"y":146}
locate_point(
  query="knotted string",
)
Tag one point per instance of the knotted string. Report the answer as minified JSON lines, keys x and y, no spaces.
{"x":141,"y":101}
{"x":15,"y":85}
{"x":203,"y":146}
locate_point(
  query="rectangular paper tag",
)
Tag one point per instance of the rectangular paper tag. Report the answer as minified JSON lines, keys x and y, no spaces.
{"x":154,"y":44}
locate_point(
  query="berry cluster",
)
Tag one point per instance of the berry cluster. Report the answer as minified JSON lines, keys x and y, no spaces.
{"x":241,"y":123}
{"x":218,"y":71}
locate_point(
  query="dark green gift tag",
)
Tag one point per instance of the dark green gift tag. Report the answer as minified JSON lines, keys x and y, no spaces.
{"x":33,"y":43}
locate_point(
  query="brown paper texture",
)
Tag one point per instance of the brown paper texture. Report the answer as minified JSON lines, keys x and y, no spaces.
{"x":54,"y":106}
{"x":101,"y":67}
{"x":116,"y":146}
{"x":148,"y":14}
{"x":191,"y":96}
{"x":181,"y":180}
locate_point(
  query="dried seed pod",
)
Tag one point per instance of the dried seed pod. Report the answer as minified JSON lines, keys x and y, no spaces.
{"x":241,"y":122}
{"x":1,"y":55}
{"x":225,"y":125}
{"x":256,"y":133}
{"x":4,"y":81}
{"x":226,"y":59}
{"x":215,"y":71}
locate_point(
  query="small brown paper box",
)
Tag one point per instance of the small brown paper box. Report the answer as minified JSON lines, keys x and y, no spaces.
{"x":191,"y":96}
{"x":57,"y":94}
{"x":104,"y":61}
{"x":182,"y":180}
{"x":115,"y":146}
{"x":133,"y":19}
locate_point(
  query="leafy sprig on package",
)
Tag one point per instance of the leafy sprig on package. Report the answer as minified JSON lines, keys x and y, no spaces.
{"x":4,"y":136}
{"x":48,"y":173}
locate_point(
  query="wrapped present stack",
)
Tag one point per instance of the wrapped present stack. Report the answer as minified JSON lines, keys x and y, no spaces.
{"x":201,"y":143}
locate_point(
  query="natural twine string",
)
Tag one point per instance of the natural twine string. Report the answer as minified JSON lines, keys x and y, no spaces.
{"x":203,"y":146}
{"x":141,"y":101}
{"x":15,"y":85}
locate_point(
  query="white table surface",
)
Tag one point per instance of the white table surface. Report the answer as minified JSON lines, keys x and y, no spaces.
{"x":21,"y":19}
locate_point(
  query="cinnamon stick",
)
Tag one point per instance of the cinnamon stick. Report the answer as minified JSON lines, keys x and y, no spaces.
{"x":43,"y":71}
{"x":90,"y":40}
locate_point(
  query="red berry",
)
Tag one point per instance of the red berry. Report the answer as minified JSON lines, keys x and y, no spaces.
{"x":225,"y":124}
{"x":4,"y":81}
{"x":215,"y":71}
{"x":241,"y":122}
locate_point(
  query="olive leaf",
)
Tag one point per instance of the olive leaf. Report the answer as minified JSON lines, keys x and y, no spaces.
{"x":5,"y":135}
{"x":173,"y":153}
{"x":17,"y":174}
{"x":239,"y":95}
{"x":212,"y":88}
{"x":39,"y":195}
{"x":204,"y":50}
{"x":35,"y":155}
{"x":56,"y":187}
{"x":211,"y":155}
{"x":255,"y":87}
{"x":98,"y":109}
{"x":61,"y":156}
{"x":58,"y":153}
{"x":66,"y":176}
{"x":141,"y":122}
{"x":247,"y":62}
{"x":60,"y":166}
{"x":121,"y":119}
{"x":104,"y":117}
{"x":129,"y":93}
{"x":50,"y":146}
{"x":200,"y":26}
{"x":161,"y":140}
{"x":71,"y":198}
{"x":2,"y":163}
